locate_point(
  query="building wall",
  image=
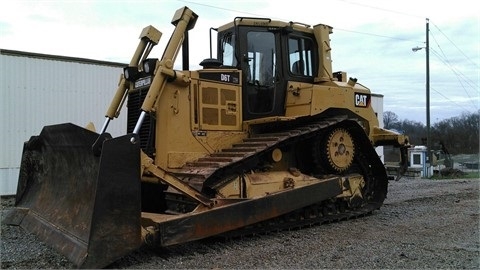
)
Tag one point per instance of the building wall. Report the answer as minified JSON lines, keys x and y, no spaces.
{"x":38,"y":90}
{"x":377,"y":105}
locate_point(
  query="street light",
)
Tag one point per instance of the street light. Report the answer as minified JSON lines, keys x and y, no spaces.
{"x":417,"y":49}
{"x":427,"y":50}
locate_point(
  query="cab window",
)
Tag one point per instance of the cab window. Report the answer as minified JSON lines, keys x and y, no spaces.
{"x":300,"y":52}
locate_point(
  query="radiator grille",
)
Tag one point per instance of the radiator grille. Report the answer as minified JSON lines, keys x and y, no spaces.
{"x":147,"y":130}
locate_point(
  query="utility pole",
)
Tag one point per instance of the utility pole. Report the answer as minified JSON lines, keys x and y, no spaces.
{"x":429,"y":143}
{"x":427,"y":92}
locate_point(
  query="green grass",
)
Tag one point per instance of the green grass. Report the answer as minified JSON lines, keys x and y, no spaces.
{"x":463,"y":173}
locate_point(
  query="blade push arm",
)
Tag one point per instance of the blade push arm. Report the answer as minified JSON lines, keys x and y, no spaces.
{"x":148,"y":165}
{"x":148,"y":39}
{"x":184,"y":20}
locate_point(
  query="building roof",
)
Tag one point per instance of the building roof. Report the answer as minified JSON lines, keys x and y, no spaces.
{"x":61,"y":58}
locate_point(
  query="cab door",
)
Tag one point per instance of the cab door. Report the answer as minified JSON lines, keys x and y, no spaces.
{"x":264,"y":88}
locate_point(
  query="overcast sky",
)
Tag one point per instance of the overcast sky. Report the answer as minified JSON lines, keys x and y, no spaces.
{"x":372,"y":40}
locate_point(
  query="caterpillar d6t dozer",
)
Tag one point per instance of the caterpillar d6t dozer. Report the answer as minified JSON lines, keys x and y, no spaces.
{"x":263,"y":137}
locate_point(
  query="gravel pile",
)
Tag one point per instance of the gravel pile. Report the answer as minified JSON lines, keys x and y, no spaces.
{"x":423,"y":224}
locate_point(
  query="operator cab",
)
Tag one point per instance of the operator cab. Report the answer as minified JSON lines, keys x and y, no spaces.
{"x":269,"y":53}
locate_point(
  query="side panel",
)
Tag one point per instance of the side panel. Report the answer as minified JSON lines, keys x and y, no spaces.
{"x":356,"y":99}
{"x":175,"y":143}
{"x":219,"y":106}
{"x":299,"y":99}
{"x":305,"y":99}
{"x":201,"y":118}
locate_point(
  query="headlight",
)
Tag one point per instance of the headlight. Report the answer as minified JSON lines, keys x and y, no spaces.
{"x":149,"y":65}
{"x":130,"y":73}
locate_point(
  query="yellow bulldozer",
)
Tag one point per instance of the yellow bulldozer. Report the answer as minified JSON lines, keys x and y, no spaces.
{"x":263,"y":137}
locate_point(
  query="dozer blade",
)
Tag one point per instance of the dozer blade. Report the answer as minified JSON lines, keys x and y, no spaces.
{"x":87,"y":207}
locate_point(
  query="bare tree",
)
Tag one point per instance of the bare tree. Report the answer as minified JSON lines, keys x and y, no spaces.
{"x":389,"y":118}
{"x":460,"y":134}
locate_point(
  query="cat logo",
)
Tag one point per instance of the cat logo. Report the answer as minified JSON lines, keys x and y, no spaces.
{"x":362,"y":100}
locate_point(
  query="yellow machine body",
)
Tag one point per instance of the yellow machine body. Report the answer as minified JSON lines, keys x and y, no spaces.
{"x":264,"y":134}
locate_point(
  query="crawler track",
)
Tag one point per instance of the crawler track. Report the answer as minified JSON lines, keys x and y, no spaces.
{"x":210,"y":172}
{"x":335,"y":209}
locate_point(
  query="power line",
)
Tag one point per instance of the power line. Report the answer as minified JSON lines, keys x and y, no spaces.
{"x":381,"y":9}
{"x":438,"y":92}
{"x":458,"y":78}
{"x":446,"y":62}
{"x":466,"y":57}
{"x":377,"y":35}
{"x":405,"y":14}
{"x":220,"y":8}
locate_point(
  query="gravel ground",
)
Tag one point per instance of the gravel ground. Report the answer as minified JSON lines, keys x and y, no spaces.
{"x":423,"y":224}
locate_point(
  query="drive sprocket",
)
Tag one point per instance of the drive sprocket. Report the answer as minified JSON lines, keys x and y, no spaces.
{"x":338,"y":150}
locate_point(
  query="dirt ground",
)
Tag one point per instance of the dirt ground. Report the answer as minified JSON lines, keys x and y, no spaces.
{"x":423,"y":224}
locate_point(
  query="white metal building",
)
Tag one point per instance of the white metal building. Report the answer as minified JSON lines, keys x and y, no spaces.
{"x":377,"y":105}
{"x":38,"y":90}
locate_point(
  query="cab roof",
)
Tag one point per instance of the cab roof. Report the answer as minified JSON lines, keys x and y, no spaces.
{"x":266,"y":22}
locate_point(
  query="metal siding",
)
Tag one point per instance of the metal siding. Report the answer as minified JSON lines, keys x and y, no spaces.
{"x":377,"y":105}
{"x":36,"y":92}
{"x":8,"y":180}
